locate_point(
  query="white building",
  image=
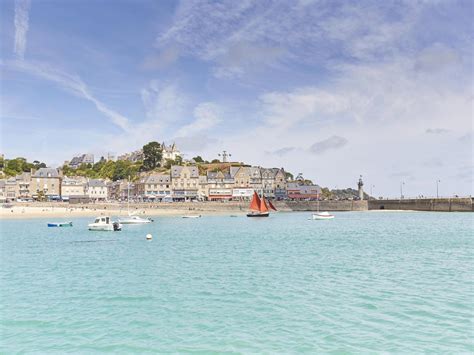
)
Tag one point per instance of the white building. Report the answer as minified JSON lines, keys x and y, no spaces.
{"x":170,"y":152}
{"x":96,"y":190}
{"x":73,"y":187}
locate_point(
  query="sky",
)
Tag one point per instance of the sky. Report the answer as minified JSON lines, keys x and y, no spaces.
{"x":330,"y":89}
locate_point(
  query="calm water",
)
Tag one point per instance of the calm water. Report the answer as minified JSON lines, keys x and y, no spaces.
{"x":362,"y":283}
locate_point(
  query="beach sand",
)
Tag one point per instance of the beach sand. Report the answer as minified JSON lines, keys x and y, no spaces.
{"x":53,"y":212}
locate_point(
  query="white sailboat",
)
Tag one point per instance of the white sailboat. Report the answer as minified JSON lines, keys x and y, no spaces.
{"x":319,"y":216}
{"x":132,"y":217}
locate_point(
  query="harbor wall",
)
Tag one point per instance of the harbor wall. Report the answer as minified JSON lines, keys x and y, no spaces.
{"x":425,"y":204}
{"x":440,"y":205}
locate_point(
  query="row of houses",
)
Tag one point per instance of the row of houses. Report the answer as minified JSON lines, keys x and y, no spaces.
{"x":182,"y":183}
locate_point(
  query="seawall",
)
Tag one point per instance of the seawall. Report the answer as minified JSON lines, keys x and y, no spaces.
{"x":425,"y":204}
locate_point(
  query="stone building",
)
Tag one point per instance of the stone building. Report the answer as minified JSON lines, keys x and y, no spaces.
{"x":47,"y":182}
{"x":184,"y":182}
{"x":219,"y":185}
{"x":155,"y":186}
{"x":170,"y":152}
{"x":96,"y":190}
{"x":73,"y":187}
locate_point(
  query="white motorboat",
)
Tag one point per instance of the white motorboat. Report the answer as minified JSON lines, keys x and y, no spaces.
{"x":322,"y":216}
{"x":131,"y":219}
{"x":104,"y":223}
{"x":192,"y":216}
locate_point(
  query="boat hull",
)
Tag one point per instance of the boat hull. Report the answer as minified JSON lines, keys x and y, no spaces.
{"x":258,"y":214}
{"x":111,"y":227}
{"x":322,"y":218}
{"x":127,"y":221}
{"x":66,"y":224}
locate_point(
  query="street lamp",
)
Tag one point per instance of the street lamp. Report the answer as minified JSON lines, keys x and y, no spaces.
{"x":401,"y":189}
{"x":437,"y":188}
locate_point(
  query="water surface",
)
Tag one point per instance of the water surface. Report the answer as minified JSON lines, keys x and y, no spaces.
{"x":361,"y":283}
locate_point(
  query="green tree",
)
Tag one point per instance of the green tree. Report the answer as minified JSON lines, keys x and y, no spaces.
{"x":215,"y":161}
{"x":107,"y":170}
{"x":198,"y":159}
{"x":178,"y":160}
{"x":289,"y":176}
{"x":152,"y":153}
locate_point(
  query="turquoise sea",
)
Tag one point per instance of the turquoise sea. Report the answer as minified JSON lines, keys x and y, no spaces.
{"x":397,"y":282}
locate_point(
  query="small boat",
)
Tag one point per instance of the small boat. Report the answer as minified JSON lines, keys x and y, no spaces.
{"x":131,"y":219}
{"x":60,"y":224}
{"x":259,"y":206}
{"x":192,"y":216}
{"x":322,"y":216}
{"x":104,"y":224}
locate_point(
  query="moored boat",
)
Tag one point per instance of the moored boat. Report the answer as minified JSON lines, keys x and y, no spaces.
{"x":132,"y":219}
{"x":322,"y":216}
{"x":192,"y":216}
{"x":259,"y":206}
{"x":104,"y":223}
{"x":60,"y":224}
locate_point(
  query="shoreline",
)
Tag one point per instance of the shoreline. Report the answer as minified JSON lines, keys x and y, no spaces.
{"x":65,"y":213}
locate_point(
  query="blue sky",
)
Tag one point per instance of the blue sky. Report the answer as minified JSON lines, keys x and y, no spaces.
{"x":331,"y":89}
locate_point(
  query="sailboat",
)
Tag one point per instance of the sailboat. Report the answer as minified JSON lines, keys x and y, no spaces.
{"x":259,"y":206}
{"x":132,"y":218}
{"x":322,"y":215}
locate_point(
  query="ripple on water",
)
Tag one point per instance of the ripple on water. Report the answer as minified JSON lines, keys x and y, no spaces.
{"x":367,"y":283}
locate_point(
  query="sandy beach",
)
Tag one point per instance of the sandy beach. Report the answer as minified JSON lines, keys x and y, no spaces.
{"x":64,"y":212}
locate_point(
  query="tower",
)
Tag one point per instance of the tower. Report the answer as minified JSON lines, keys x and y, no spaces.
{"x":224,"y":156}
{"x":360,"y":184}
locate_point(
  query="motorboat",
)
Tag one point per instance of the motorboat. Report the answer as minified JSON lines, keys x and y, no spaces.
{"x":60,"y":224}
{"x":133,"y":219}
{"x":104,"y":223}
{"x":192,"y":216}
{"x":322,"y":216}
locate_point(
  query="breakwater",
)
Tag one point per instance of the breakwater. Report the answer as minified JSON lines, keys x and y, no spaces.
{"x":425,"y":204}
{"x":435,"y":205}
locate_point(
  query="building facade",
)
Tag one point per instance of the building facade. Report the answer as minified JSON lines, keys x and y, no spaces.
{"x":184,"y":182}
{"x":73,"y":187}
{"x":96,"y":190}
{"x":45,"y":182}
{"x":154,"y":187}
{"x":298,"y":191}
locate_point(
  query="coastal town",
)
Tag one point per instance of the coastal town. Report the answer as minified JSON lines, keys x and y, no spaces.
{"x":156,"y":173}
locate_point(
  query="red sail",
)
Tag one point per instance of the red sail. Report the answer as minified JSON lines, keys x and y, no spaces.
{"x":271,"y":205}
{"x":255,"y":204}
{"x":263,"y":205}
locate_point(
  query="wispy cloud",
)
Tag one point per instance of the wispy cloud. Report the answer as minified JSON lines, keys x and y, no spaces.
{"x":164,"y":103}
{"x":22,"y":8}
{"x":161,"y":60}
{"x":331,"y":143}
{"x":303,"y":32}
{"x":207,"y":116}
{"x":437,"y":131}
{"x":282,"y":151}
{"x":70,"y":83}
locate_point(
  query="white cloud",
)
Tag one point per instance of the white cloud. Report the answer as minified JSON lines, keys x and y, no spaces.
{"x":22,"y":8}
{"x":236,"y":36}
{"x":164,"y":102}
{"x":331,"y":143}
{"x":70,"y":83}
{"x":207,"y":116}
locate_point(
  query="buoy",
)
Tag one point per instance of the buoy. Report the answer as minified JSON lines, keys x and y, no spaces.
{"x":149,"y":237}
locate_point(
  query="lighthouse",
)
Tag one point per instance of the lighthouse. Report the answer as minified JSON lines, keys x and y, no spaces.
{"x":360,"y":184}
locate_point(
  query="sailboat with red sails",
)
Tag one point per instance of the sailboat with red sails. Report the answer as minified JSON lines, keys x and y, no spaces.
{"x":259,"y":206}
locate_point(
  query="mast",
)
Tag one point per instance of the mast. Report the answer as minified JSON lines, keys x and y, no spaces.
{"x":128,"y":195}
